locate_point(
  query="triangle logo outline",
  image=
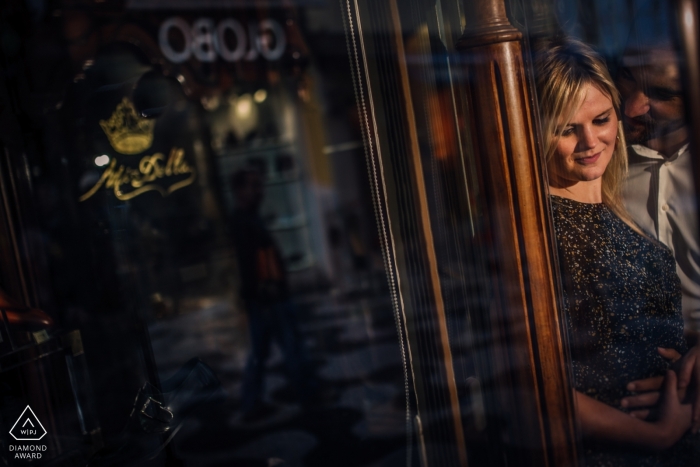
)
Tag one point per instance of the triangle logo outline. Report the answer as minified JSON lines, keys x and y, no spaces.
{"x":22,"y":417}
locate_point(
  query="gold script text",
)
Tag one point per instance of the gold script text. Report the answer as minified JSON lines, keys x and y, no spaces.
{"x":151,"y":168}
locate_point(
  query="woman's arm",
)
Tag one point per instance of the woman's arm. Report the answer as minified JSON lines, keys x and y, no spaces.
{"x":606,"y":423}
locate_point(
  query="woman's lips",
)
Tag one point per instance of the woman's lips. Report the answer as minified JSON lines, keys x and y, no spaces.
{"x":588,"y":160}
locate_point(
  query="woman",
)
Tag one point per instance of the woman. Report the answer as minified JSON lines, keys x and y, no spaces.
{"x":622,"y":292}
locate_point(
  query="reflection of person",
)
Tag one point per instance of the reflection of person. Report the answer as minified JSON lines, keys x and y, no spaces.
{"x":264,"y":291}
{"x":660,"y":193}
{"x":622,"y":292}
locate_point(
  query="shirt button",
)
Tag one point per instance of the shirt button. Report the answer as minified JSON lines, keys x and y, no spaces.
{"x":664,"y":207}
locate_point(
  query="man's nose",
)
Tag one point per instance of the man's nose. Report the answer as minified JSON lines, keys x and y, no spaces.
{"x":637,"y":104}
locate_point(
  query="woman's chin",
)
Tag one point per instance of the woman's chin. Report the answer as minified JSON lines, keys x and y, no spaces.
{"x":591,"y":178}
{"x":590,"y":174}
{"x":573,"y":180}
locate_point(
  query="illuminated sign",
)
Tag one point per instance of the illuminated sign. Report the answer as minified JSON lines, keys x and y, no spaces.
{"x":130,"y":134}
{"x":229,"y":39}
{"x":129,"y":182}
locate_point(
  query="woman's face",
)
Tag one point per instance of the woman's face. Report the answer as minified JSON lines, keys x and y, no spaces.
{"x":586,"y":143}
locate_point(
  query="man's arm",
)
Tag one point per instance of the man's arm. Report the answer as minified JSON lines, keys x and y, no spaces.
{"x":688,"y":367}
{"x":602,"y":422}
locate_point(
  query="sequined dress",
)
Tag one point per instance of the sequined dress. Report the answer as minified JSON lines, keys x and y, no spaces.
{"x":622,"y":301}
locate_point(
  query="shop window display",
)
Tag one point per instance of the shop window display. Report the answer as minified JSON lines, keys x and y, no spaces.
{"x":304,"y":232}
{"x":216,"y":324}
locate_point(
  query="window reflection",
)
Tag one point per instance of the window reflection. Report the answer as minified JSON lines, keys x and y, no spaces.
{"x":204,"y":219}
{"x":260,"y":233}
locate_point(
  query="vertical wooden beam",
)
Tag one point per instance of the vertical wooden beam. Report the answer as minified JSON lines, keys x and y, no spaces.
{"x":532,"y":368}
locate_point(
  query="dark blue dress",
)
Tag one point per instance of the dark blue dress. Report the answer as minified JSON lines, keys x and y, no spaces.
{"x":622,"y":301}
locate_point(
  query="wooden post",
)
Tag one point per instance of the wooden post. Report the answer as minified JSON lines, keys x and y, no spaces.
{"x":532,"y":372}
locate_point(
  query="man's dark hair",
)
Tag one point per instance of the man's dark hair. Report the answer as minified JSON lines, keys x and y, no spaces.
{"x":653,"y":28}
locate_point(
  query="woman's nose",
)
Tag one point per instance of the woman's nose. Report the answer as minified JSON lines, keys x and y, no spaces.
{"x":587,"y":138}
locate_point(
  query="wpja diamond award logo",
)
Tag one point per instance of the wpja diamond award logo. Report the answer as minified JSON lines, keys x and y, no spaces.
{"x":27,"y":428}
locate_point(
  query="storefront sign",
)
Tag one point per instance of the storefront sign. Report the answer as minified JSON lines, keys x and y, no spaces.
{"x":129,"y":182}
{"x":229,"y":39}
{"x":129,"y":134}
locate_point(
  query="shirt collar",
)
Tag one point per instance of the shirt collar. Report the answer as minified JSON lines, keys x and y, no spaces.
{"x":649,"y":153}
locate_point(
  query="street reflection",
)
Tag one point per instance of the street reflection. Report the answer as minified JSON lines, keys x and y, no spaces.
{"x":351,"y":348}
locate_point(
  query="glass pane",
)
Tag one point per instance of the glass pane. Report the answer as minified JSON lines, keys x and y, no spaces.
{"x":418,"y":121}
{"x":267,"y":233}
{"x":195,"y":202}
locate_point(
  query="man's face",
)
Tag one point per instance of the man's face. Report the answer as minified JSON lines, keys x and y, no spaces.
{"x":649,"y":82}
{"x":251,"y":194}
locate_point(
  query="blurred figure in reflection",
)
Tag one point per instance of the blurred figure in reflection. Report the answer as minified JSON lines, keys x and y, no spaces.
{"x":264,"y":292}
{"x":660,"y":191}
{"x":622,"y":294}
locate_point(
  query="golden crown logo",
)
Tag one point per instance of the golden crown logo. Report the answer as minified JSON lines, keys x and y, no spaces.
{"x":128,"y":133}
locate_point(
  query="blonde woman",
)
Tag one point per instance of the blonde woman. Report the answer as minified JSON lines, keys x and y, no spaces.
{"x":622,"y":294}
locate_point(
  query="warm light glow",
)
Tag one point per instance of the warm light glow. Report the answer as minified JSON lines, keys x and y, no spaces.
{"x":688,"y":18}
{"x":210,"y":103}
{"x":242,"y":115}
{"x":101,"y":161}
{"x":244,"y":106}
{"x":260,"y":96}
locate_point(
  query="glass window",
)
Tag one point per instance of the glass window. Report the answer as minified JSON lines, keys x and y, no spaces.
{"x":195,"y":203}
{"x":311,"y":233}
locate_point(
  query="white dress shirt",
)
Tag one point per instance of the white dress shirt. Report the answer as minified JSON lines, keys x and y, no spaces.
{"x":660,"y":197}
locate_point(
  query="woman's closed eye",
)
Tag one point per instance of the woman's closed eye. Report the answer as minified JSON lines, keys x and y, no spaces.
{"x":566,"y":131}
{"x":602,"y":120}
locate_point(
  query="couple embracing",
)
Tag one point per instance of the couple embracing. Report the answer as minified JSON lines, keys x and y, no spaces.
{"x":625,"y":224}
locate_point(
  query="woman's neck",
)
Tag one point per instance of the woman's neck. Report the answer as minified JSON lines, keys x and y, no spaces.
{"x":583,"y":192}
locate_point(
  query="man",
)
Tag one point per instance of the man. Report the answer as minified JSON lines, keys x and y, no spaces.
{"x":660,"y":191}
{"x":264,"y":292}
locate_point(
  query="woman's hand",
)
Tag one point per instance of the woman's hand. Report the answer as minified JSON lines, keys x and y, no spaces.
{"x":688,"y":367}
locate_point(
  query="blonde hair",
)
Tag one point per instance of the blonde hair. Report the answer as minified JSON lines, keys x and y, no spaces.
{"x":564,"y":68}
